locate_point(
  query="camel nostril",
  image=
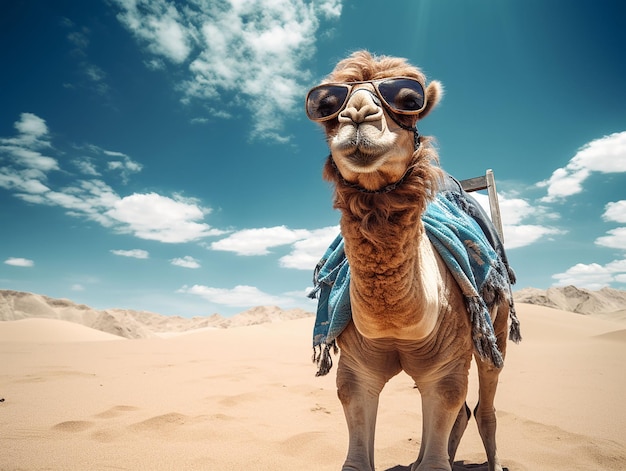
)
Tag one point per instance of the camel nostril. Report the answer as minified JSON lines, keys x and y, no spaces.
{"x":360,"y":115}
{"x":361,"y":107}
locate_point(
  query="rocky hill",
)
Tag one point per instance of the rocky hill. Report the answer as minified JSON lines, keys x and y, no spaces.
{"x":16,"y":305}
{"x":606,"y":302}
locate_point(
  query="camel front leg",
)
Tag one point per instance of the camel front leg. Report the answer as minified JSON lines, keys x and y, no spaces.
{"x":441,"y":403}
{"x":360,"y":406}
{"x":361,"y":375}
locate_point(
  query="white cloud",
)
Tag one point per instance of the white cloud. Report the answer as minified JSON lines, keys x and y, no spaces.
{"x":254,"y":49}
{"x":515,"y":214}
{"x":155,"y":217}
{"x":23,"y":149}
{"x":94,"y":73}
{"x":125,"y":165}
{"x":604,"y":155}
{"x":112,"y":161}
{"x":19,"y":262}
{"x":29,"y":158}
{"x":258,"y":241}
{"x":615,"y":211}
{"x":134,"y":253}
{"x":306,"y":253}
{"x":523,"y":235}
{"x":239,"y":296}
{"x":77,"y":287}
{"x":307,"y":246}
{"x":33,"y":186}
{"x":593,"y":276}
{"x":86,"y":167}
{"x":616,"y":239}
{"x":199,"y":120}
{"x":185,"y":262}
{"x":158,"y":25}
{"x":31,"y":127}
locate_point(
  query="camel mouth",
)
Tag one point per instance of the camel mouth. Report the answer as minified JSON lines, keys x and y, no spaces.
{"x":361,"y":160}
{"x":362,"y":147}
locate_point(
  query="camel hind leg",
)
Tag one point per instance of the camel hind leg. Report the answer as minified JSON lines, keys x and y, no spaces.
{"x":485,"y":412}
{"x":458,"y":429}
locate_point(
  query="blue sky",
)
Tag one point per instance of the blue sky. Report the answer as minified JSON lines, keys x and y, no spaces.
{"x":155,"y":154}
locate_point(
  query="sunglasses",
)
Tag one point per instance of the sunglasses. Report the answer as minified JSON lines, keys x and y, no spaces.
{"x":401,"y":95}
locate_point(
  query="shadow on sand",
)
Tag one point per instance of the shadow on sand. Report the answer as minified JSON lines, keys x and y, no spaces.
{"x":458,"y":466}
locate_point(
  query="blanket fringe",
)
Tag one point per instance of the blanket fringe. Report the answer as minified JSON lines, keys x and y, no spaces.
{"x":323,"y":358}
{"x":515,"y":333}
{"x":484,"y":339}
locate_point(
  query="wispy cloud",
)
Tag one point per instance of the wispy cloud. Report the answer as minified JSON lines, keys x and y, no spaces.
{"x":594,"y":275}
{"x":603,"y":155}
{"x":258,"y":241}
{"x":23,"y":149}
{"x":185,"y":262}
{"x":155,"y":217}
{"x":254,"y":51}
{"x":134,"y":253}
{"x":306,"y":253}
{"x":615,"y":238}
{"x":615,"y":211}
{"x":239,"y":296}
{"x":159,"y":26}
{"x":19,"y":262}
{"x":91,"y":76}
{"x":24,"y":171}
{"x":523,"y":223}
{"x":307,"y":246}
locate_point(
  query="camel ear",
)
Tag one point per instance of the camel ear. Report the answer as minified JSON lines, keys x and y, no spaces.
{"x":434,"y":94}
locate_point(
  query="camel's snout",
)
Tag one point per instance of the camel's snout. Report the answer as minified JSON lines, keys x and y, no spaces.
{"x":362,"y":106}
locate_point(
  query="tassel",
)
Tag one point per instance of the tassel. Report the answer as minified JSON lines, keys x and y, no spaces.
{"x":317,"y":351}
{"x":515,"y":333}
{"x":325,"y":362}
{"x":485,"y":342}
{"x":321,"y":356}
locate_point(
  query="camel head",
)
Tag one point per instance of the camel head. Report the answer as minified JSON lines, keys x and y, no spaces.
{"x":369,"y":107}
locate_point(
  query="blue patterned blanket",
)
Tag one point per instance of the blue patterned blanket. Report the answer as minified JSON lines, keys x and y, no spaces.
{"x":452,"y":227}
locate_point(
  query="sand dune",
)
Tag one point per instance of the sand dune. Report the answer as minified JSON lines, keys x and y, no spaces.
{"x":127,"y":323}
{"x":247,"y":398}
{"x":49,"y":331}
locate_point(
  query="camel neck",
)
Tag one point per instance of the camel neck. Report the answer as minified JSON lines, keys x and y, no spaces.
{"x":391,"y":284}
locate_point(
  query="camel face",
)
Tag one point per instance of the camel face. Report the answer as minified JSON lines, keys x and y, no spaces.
{"x":368,"y":146}
{"x":369,"y":113}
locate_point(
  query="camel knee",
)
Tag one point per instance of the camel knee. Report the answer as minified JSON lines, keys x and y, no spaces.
{"x":344,"y":392}
{"x":363,"y":387}
{"x":452,"y":393}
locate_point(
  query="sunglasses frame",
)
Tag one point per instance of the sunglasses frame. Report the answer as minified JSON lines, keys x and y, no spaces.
{"x":350,"y":86}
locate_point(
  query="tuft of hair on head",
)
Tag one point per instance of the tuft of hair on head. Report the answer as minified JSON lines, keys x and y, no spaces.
{"x":363,"y":65}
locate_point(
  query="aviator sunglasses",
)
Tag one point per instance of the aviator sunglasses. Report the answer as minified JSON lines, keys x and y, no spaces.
{"x":401,"y":95}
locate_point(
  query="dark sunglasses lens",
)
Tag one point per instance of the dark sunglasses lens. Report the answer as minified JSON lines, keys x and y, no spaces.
{"x":403,"y":95}
{"x":324,"y":101}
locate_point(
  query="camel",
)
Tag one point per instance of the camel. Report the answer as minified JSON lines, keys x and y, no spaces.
{"x":408,"y":312}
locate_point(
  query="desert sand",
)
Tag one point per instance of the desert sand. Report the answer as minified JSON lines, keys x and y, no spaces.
{"x":247,"y":398}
